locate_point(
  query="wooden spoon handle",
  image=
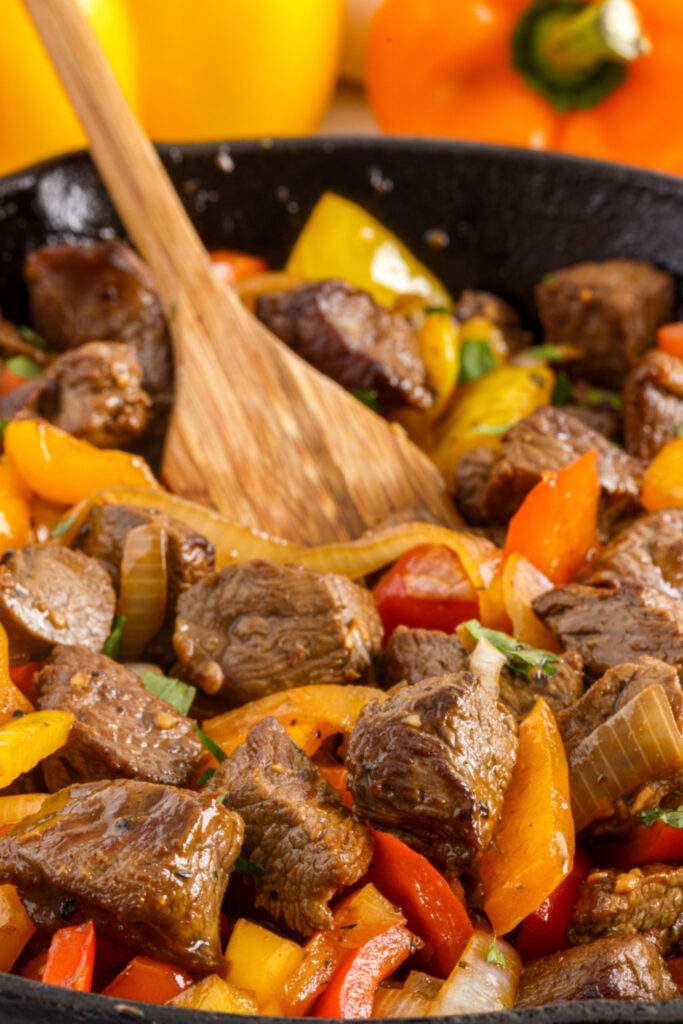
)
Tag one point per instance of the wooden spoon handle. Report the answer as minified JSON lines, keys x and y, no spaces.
{"x":126,"y":160}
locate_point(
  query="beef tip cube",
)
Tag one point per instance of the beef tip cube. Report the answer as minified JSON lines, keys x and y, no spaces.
{"x":614,"y":968}
{"x":190,"y":555}
{"x":148,"y":864}
{"x":121,"y":730}
{"x":647,"y":899}
{"x":345,"y":334}
{"x":432,"y":763}
{"x":415,"y":654}
{"x":648,"y":551}
{"x":472,"y":475}
{"x":100,"y":292}
{"x":611,"y":625}
{"x":473,"y":304}
{"x":550,"y":439}
{"x":653,"y":403}
{"x":602,"y":419}
{"x":611,"y":310}
{"x":52,"y":595}
{"x":297,"y":830}
{"x":256,"y":628}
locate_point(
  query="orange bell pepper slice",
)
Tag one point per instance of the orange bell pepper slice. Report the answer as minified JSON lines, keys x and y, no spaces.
{"x":533,"y":847}
{"x":556,"y":524}
{"x":663,"y":482}
{"x":22,"y":677}
{"x":432,"y":910}
{"x":71,"y":958}
{"x":11,"y":697}
{"x":336,"y":775}
{"x":15,"y":807}
{"x":148,"y":981}
{"x":15,"y":512}
{"x":63,"y":469}
{"x":670,"y":339}
{"x":16,"y":928}
{"x":522,"y":582}
{"x":231,"y":265}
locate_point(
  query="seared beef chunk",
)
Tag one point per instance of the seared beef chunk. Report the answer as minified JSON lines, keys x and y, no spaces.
{"x":52,"y":595}
{"x":615,"y":968}
{"x":121,"y":730}
{"x":256,"y":628}
{"x":611,"y":625}
{"x":432,"y":763}
{"x":472,"y":475}
{"x":148,"y":864}
{"x":647,"y":899}
{"x":415,"y":654}
{"x":601,"y":419}
{"x":548,"y":439}
{"x":611,"y":310}
{"x":611,"y":692}
{"x":472,"y":303}
{"x":351,"y":338}
{"x":296,"y":828}
{"x":190,"y":555}
{"x":649,"y":551}
{"x":653,"y":403}
{"x":100,"y":292}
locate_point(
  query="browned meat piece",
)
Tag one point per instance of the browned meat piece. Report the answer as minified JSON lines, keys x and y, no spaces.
{"x":491,"y":307}
{"x":121,"y":730}
{"x":190,"y":555}
{"x":472,"y":476}
{"x":296,"y":828}
{"x":601,"y":419}
{"x":415,"y":654}
{"x":653,"y":403}
{"x":614,"y":968}
{"x":148,"y":864}
{"x":547,"y":440}
{"x":612,"y":625}
{"x":52,"y":595}
{"x":649,"y":551}
{"x":432,"y":763}
{"x":100,"y":292}
{"x":647,"y":899}
{"x":611,"y":310}
{"x":611,"y":692}
{"x":255,"y":628}
{"x":348,"y":336}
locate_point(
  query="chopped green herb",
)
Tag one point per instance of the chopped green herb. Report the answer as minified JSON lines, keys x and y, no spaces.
{"x":112,"y":645}
{"x":548,"y":278}
{"x":494,"y":954}
{"x":3,"y":427}
{"x":436,"y":309}
{"x":562,"y":392}
{"x":210,"y":744}
{"x":492,"y":429}
{"x":593,"y":397}
{"x":368,"y":397}
{"x":24,"y":366}
{"x":32,"y":337}
{"x":672,"y":818}
{"x":678,"y":432}
{"x":520,"y":657}
{"x":549,"y":354}
{"x":205,"y":777}
{"x":222,"y":798}
{"x":173,"y":691}
{"x":244,"y":866}
{"x":62,"y":527}
{"x":476,"y":359}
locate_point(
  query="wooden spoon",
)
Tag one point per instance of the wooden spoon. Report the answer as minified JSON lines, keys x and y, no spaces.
{"x":255,"y":431}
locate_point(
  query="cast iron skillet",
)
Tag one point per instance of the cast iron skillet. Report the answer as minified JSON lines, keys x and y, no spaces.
{"x":479,"y":216}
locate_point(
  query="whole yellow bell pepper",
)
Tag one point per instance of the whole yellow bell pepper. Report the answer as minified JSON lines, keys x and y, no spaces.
{"x":36,"y":119}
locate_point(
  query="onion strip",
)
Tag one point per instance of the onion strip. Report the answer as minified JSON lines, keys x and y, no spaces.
{"x":477,"y":985}
{"x":411,"y":1000}
{"x":486,"y":662}
{"x":142,"y":593}
{"x":639,"y":743}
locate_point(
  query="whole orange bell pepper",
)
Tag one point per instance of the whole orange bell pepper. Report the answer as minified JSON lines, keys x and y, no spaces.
{"x":533,"y":847}
{"x":599,"y":78}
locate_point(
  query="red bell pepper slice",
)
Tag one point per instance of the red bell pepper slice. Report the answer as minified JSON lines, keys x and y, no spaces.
{"x":646,"y":844}
{"x":670,"y":339}
{"x":71,"y":958}
{"x":545,"y":931}
{"x":351,"y":991}
{"x":148,"y":981}
{"x":427,"y":588}
{"x":22,"y":677}
{"x":9,"y":380}
{"x":432,"y":910}
{"x":231,"y":266}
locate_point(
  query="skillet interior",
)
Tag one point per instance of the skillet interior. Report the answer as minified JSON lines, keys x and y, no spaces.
{"x":507,"y":217}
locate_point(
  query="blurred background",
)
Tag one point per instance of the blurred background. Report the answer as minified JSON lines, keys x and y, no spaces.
{"x":595,"y":77}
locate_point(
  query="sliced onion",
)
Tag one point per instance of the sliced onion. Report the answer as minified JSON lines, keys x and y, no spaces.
{"x":413,"y":999}
{"x":142,"y":593}
{"x":637,"y":744}
{"x":486,"y":662}
{"x":477,"y":986}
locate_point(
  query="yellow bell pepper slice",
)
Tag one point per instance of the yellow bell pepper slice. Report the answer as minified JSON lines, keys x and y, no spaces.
{"x":14,"y":809}
{"x":440,"y":350}
{"x":63,"y":469}
{"x":486,"y":409}
{"x":261,"y":962}
{"x":217,"y":995}
{"x":11,"y":697}
{"x":533,"y":847}
{"x":16,"y":928}
{"x":26,"y":741}
{"x":15,"y":512}
{"x":663,"y":483}
{"x":341,"y":239}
